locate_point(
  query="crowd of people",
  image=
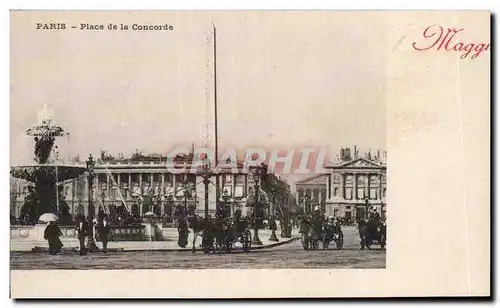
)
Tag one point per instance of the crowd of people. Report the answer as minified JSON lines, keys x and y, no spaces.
{"x":185,"y":219}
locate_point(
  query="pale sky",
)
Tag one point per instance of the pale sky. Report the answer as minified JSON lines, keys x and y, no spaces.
{"x":285,"y":79}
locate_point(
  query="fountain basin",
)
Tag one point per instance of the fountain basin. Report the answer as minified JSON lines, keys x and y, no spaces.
{"x":35,"y":173}
{"x":118,"y":233}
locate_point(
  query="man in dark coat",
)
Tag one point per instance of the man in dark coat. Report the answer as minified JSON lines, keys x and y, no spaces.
{"x":103,"y":228}
{"x":52,"y":234}
{"x":100,"y":215}
{"x":183,"y":230}
{"x":82,"y":228}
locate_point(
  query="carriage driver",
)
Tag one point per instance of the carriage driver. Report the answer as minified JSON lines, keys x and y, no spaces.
{"x":375,"y":216}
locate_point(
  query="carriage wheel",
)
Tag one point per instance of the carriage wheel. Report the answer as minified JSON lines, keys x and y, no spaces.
{"x":246,"y":240}
{"x":305,"y":242}
{"x":205,"y":245}
{"x":340,"y":240}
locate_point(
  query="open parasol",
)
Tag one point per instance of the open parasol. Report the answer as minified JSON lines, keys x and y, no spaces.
{"x":48,"y":217}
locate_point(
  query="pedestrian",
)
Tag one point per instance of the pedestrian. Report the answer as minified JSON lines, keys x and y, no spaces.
{"x":103,"y":233}
{"x":52,"y":234}
{"x":82,"y":228}
{"x":183,"y":231}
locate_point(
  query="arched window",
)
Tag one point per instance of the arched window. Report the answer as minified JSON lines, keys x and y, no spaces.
{"x":135,"y":210}
{"x":335,"y":191}
{"x":80,"y":210}
{"x":91,"y":211}
{"x":167,"y":209}
{"x":145,"y":208}
{"x":157,"y":209}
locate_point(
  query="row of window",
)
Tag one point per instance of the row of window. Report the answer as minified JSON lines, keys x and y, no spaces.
{"x":373,"y":193}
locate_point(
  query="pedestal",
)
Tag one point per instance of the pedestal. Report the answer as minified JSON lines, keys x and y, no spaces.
{"x":149,"y":232}
{"x":273,"y":237}
{"x":39,"y":232}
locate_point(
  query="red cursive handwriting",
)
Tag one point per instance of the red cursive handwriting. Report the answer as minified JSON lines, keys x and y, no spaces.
{"x":435,"y":35}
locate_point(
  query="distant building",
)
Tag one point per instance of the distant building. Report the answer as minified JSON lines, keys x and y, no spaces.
{"x":143,"y":183}
{"x":355,"y":184}
{"x":351,"y":186}
{"x":312,"y":191}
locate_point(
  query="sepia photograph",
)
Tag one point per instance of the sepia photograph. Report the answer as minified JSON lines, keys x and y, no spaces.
{"x":214,"y":140}
{"x":156,"y":158}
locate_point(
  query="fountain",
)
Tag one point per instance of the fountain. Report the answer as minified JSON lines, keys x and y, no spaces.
{"x":44,"y":174}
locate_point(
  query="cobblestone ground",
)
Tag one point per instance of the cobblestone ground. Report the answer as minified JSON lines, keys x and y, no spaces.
{"x":285,"y":256}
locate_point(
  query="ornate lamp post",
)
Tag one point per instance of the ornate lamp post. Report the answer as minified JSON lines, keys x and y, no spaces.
{"x":272,"y":218}
{"x":185,"y":183}
{"x":256,"y":177}
{"x":91,"y":246}
{"x":206,"y":175}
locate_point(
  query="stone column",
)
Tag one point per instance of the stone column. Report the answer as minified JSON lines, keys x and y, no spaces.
{"x":355,"y":186}
{"x":74,"y":194}
{"x":140,"y":183}
{"x":235,"y":178}
{"x":367,"y":183}
{"x":108,"y":193}
{"x":319,"y":196}
{"x":342,"y":185}
{"x":329,"y":186}
{"x":174,"y":188}
{"x":162,"y":188}
{"x":380,"y":187}
{"x":119,"y":181}
{"x":140,"y":194}
{"x":246,"y":186}
{"x":129,"y":191}
{"x":96,"y":192}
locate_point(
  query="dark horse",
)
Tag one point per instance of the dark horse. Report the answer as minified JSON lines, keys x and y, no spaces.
{"x":311,"y":233}
{"x":202,"y":227}
{"x":370,"y":231}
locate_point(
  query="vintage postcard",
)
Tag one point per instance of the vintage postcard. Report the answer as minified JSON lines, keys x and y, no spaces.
{"x":240,"y":154}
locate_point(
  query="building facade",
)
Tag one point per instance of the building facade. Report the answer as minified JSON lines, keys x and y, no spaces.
{"x":312,"y":191}
{"x":356,"y":185}
{"x":148,"y":186}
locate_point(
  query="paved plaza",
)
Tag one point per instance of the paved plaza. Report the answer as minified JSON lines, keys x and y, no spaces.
{"x":288,"y":255}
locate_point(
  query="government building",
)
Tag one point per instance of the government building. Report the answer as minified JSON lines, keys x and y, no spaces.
{"x":352,"y":185}
{"x":144,"y":183}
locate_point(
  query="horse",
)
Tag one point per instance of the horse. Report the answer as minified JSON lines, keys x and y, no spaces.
{"x":372,"y":231}
{"x":203,"y":228}
{"x":310,"y":235}
{"x":333,"y":232}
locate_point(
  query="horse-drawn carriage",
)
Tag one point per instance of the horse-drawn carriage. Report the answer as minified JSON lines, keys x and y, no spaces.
{"x":372,"y":232}
{"x":221,"y":234}
{"x":315,"y":231}
{"x":231,"y":233}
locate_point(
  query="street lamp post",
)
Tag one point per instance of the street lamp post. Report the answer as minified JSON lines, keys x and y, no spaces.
{"x":91,"y":245}
{"x":256,"y":240}
{"x":205,"y":174}
{"x":185,"y":183}
{"x":272,"y":218}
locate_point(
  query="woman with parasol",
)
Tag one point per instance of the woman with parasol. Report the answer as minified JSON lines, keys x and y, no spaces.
{"x":52,"y":233}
